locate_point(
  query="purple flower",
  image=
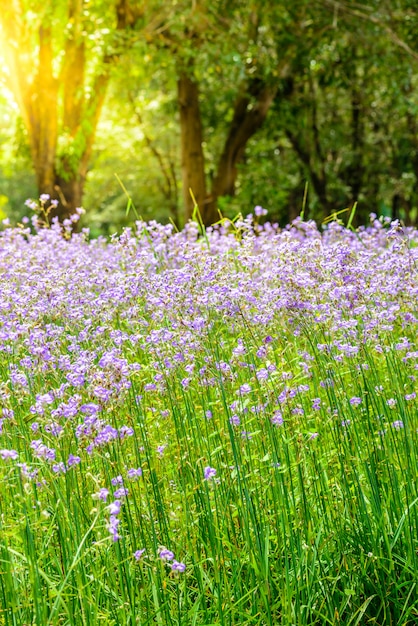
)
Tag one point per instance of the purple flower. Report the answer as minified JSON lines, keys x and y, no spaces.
{"x":259,"y":211}
{"x":76,"y":379}
{"x":118,"y":480}
{"x":316,"y":404}
{"x":122,"y":492}
{"x":410,"y":396}
{"x":114,"y":507}
{"x":73,"y":460}
{"x":262,"y":374}
{"x":133,"y":473}
{"x":102,"y":494}
{"x":107,"y":434}
{"x":277,"y":419}
{"x":314,"y":436}
{"x":26,"y":471}
{"x":178,"y":567}
{"x":102,"y":393}
{"x":397,"y":424}
{"x":160,"y":449}
{"x":166,"y":555}
{"x":355,"y":401}
{"x":126,"y":431}
{"x":59,"y":468}
{"x":90,"y":408}
{"x":53,"y":428}
{"x":240,"y":349}
{"x":138,"y":554}
{"x":234,"y":420}
{"x":298,"y":411}
{"x":113,"y":527}
{"x":9,"y":454}
{"x":245,"y":388}
{"x":41,"y":450}
{"x":31,"y":204}
{"x":209,"y":472}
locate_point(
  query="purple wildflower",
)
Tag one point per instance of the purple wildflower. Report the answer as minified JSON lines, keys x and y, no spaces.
{"x":102,"y":494}
{"x":209,"y":472}
{"x":133,"y":473}
{"x":176,"y":566}
{"x":277,"y":419}
{"x":115,"y":507}
{"x":234,"y":420}
{"x":9,"y":454}
{"x":113,"y":527}
{"x":59,"y":468}
{"x":166,"y":555}
{"x":138,"y":554}
{"x":259,"y":211}
{"x":122,"y":492}
{"x":125,"y":431}
{"x":73,"y":460}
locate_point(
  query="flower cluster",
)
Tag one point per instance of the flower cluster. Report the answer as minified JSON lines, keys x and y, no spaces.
{"x":131,"y":363}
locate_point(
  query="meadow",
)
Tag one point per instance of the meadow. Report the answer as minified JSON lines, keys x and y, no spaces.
{"x":210,"y":427}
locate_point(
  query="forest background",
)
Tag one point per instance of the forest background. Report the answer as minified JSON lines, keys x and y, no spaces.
{"x":281,"y":104}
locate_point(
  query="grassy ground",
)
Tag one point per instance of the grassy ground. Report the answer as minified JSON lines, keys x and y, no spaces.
{"x":209,"y":430}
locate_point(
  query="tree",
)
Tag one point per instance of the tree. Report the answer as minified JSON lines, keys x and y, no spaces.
{"x":233,"y":60}
{"x":60,"y":88}
{"x":244,"y":34}
{"x":351,"y":115}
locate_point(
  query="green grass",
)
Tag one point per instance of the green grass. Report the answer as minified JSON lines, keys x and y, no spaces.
{"x":293,"y":530}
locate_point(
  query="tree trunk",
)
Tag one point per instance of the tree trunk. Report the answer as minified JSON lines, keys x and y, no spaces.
{"x":250,"y":111}
{"x":43,"y":98}
{"x":192,"y":158}
{"x":69,"y":192}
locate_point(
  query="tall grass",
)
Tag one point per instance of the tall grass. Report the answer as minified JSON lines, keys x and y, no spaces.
{"x":255,"y":396}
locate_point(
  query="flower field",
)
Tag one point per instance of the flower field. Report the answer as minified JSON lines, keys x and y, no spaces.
{"x":211,"y":428}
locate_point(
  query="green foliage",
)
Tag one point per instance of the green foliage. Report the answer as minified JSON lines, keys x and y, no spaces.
{"x":343,"y":118}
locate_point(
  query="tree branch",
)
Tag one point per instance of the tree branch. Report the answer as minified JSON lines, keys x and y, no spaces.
{"x":360,"y":13}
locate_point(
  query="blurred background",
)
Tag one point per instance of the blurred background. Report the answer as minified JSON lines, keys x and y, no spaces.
{"x":123,"y":106}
